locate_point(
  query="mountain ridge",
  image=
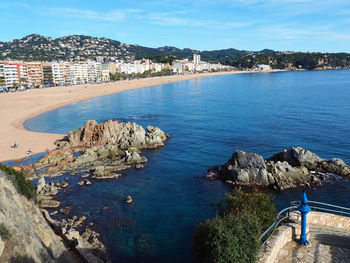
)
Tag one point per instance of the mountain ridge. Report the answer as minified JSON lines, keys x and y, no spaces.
{"x":39,"y":47}
{"x":36,"y":47}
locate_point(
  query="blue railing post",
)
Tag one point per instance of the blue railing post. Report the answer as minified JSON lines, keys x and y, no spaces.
{"x":304,"y":209}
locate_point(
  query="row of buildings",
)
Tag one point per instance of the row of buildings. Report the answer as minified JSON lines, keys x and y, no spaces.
{"x":34,"y":74}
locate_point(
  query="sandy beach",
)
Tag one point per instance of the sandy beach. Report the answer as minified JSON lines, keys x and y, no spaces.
{"x":17,"y":107}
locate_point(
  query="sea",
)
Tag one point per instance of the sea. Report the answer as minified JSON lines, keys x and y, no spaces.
{"x":207,"y":119}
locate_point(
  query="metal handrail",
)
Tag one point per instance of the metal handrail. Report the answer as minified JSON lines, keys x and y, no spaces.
{"x":274,"y":229}
{"x":329,"y":210}
{"x":339,"y":211}
{"x":277,"y":221}
{"x":325,"y":204}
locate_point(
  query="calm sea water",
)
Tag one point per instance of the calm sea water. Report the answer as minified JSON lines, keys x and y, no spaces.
{"x":208,"y":119}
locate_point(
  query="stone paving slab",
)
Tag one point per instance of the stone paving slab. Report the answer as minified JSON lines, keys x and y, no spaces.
{"x":327,"y":245}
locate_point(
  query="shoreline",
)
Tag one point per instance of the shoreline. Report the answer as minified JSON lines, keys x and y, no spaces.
{"x":16,"y":108}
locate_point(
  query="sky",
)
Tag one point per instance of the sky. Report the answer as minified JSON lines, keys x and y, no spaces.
{"x":298,"y":25}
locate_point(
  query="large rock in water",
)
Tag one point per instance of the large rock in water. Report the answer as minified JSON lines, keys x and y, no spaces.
{"x":122,"y":135}
{"x":297,"y":157}
{"x":287,"y":169}
{"x":301,"y":157}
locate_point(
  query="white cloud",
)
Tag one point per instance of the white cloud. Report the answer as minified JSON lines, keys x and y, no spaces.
{"x":112,"y":15}
{"x":169,"y":19}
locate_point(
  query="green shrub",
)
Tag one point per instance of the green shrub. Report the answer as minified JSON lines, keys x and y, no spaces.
{"x":227,"y":239}
{"x":233,"y":235}
{"x":256,"y":203}
{"x":4,"y":232}
{"x":23,"y":186}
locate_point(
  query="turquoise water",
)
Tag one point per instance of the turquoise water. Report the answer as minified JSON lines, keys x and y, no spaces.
{"x":207,"y":119}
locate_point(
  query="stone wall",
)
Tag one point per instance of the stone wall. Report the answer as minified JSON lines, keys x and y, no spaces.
{"x":331,"y":220}
{"x":270,"y":250}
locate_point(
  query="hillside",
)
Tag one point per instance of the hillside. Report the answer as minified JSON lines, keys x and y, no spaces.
{"x":79,"y":47}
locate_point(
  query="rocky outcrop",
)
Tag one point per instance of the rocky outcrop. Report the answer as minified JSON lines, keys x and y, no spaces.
{"x":111,"y":143}
{"x":103,"y":172}
{"x":54,"y":158}
{"x":32,"y":239}
{"x":291,"y":168}
{"x":301,"y":157}
{"x":122,"y":135}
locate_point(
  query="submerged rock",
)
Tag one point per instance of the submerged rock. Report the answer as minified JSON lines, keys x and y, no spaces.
{"x":128,"y":199}
{"x":46,"y":203}
{"x":102,"y":172}
{"x":85,"y":175}
{"x":287,"y":169}
{"x":87,"y":182}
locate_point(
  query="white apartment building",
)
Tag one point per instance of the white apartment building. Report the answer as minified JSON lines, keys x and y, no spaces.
{"x":88,"y":72}
{"x":157,"y":67}
{"x":178,"y":67}
{"x":11,"y":75}
{"x":263,"y":67}
{"x":79,"y":73}
{"x":105,"y":73}
{"x":182,"y":66}
{"x":60,"y":73}
{"x":196,"y":59}
{"x":112,"y":67}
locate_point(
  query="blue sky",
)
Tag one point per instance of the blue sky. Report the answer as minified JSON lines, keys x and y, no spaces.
{"x":299,"y":25}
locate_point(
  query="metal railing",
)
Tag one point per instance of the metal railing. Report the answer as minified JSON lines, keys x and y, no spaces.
{"x":319,"y":206}
{"x":281,"y":216}
{"x":315,"y":206}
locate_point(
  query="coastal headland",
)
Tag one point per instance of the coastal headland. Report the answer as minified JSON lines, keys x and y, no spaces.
{"x":17,"y":107}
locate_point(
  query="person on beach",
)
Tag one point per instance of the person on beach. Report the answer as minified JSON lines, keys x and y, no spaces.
{"x":15,"y":145}
{"x":29,"y":151}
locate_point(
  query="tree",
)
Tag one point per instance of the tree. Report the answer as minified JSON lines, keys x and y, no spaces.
{"x":22,"y":80}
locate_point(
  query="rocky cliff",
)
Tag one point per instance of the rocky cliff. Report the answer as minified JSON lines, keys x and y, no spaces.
{"x":25,"y":235}
{"x":295,"y":167}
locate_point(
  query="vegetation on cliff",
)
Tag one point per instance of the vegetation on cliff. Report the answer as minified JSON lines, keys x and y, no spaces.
{"x":233,"y":235}
{"x":4,"y":232}
{"x":23,"y":186}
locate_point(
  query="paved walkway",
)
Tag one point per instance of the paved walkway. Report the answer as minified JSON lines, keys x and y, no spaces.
{"x":327,"y":245}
